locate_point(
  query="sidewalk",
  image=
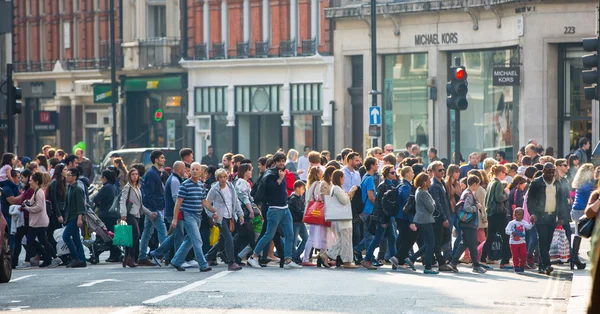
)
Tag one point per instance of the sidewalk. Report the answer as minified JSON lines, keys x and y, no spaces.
{"x":581,"y":286}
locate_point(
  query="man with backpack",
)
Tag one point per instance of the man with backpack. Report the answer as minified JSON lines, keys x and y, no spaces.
{"x":367,"y":189}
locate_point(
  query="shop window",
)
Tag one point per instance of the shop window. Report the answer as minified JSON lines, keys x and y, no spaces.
{"x":257,"y":99}
{"x":211,"y":99}
{"x":306,"y":97}
{"x":405,"y":101}
{"x":91,"y":118}
{"x":222,"y":135}
{"x":488,"y":124}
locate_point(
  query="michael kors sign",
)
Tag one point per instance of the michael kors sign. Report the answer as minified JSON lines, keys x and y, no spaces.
{"x":436,"y":39}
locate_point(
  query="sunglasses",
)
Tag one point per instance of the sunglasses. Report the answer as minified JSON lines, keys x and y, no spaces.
{"x":392,"y":172}
{"x":565,"y":165}
{"x":389,"y":150}
{"x":441,"y":170}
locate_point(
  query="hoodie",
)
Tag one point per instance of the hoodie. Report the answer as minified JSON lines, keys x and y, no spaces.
{"x":296,"y":204}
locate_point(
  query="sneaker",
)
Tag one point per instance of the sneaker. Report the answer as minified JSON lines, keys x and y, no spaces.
{"x":377,"y":263}
{"x":430,"y":272}
{"x":507,"y":266}
{"x":24,"y":266}
{"x":179,"y":268}
{"x":79,"y":264}
{"x":190,"y":264}
{"x":291,"y":265}
{"x":479,"y":270}
{"x":410,"y":264}
{"x":446,"y":268}
{"x":453,"y":267}
{"x":517,"y":269}
{"x":394,"y":262}
{"x":213,"y":263}
{"x":155,"y":258}
{"x":385,"y":262}
{"x":253,"y":262}
{"x":34,"y":261}
{"x":486,"y":267}
{"x":55,"y":262}
{"x":368,"y":265}
{"x":234,"y":267}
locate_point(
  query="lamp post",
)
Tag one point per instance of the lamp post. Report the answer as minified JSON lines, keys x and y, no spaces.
{"x":374,"y":91}
{"x":113,"y":72}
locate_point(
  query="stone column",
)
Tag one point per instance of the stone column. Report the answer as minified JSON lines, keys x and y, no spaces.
{"x":225,"y":25}
{"x":266,"y":25}
{"x":294,"y":20}
{"x":206,"y":26}
{"x":246,"y":21}
{"x":314,"y":20}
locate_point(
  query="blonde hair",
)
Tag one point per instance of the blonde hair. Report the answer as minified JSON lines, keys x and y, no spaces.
{"x":292,"y":154}
{"x":221,"y":172}
{"x":488,"y":163}
{"x":585,"y":173}
{"x":314,"y":175}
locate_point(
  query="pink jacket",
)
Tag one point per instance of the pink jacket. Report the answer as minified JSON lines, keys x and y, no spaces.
{"x":38,"y":217}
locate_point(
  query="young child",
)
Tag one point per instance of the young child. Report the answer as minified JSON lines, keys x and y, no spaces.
{"x":516,"y":229}
{"x":8,"y":162}
{"x":296,"y":205}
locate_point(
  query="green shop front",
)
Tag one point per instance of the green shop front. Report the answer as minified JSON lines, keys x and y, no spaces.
{"x":154,"y":111}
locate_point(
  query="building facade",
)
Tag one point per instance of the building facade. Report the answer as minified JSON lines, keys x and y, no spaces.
{"x":523,"y":73}
{"x":260,"y":76}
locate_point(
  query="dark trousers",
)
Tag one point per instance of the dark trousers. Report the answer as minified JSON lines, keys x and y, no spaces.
{"x":40,"y":234}
{"x":357,"y":233}
{"x":225,"y":244}
{"x":21,"y":232}
{"x":54,"y":224}
{"x":406,"y":240}
{"x":440,"y":239}
{"x":110,"y":223}
{"x":244,"y":236}
{"x":134,"y":222}
{"x":468,"y":241}
{"x":428,"y":244}
{"x":497,"y":224}
{"x":545,"y":233}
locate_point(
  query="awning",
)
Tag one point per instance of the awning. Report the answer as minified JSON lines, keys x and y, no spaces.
{"x":153,"y":84}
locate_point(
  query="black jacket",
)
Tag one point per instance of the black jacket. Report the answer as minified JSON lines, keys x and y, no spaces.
{"x":104,"y":199}
{"x":536,"y":202}
{"x":378,"y":213}
{"x":296,"y":204}
{"x":442,"y":203}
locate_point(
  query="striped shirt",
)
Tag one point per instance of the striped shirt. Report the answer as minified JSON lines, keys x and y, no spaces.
{"x":193,"y":194}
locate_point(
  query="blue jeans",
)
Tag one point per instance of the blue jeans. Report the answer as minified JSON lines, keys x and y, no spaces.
{"x":73,"y":241}
{"x":275,"y":218}
{"x":172,"y":242}
{"x":388,"y":231}
{"x":454,"y":222}
{"x":191,"y":223}
{"x":299,"y":229}
{"x":368,"y":237}
{"x":149,"y":226}
{"x":426,"y":230}
{"x":531,"y":237}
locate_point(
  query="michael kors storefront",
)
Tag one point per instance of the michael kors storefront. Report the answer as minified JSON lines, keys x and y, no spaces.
{"x":523,"y":74}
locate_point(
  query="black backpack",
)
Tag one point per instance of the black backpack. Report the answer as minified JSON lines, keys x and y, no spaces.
{"x":357,"y":203}
{"x":410,"y":207}
{"x":389,"y":202}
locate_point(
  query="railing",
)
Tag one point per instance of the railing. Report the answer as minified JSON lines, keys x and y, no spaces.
{"x":159,"y":53}
{"x":219,"y":51}
{"x":105,"y":55}
{"x":243,"y":50}
{"x":287,"y":48}
{"x":85,"y":64}
{"x":200,"y":52}
{"x":33,"y":66}
{"x":308,"y":47}
{"x":262,"y":49}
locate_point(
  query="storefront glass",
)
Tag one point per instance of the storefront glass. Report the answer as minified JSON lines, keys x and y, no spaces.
{"x":487,"y":125}
{"x":405,"y":108}
{"x":222,"y":136}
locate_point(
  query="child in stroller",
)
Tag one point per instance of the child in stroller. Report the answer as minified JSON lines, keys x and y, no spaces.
{"x":97,"y":239}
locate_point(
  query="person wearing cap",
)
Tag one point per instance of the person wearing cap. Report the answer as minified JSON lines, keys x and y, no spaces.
{"x":547,"y":203}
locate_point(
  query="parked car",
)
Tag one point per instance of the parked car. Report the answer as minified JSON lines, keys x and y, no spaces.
{"x":139,"y":155}
{"x":5,"y":253}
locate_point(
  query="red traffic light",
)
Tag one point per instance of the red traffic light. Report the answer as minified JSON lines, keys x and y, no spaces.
{"x":158,"y":115}
{"x":460,"y":74}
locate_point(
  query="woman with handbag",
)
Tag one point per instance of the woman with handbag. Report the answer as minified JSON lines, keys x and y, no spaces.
{"x":131,"y":207}
{"x":245,"y":236}
{"x":343,"y":228}
{"x":496,"y":200}
{"x":583,"y":183}
{"x":424,"y":220}
{"x":102,"y":201}
{"x":312,"y":199}
{"x":224,"y":198}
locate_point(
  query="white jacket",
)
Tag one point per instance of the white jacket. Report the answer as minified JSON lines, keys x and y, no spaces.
{"x":17,"y":217}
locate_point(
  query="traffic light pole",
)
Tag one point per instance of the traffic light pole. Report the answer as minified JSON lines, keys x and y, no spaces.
{"x":113,"y":73}
{"x":10,"y":119}
{"x":374,"y":92}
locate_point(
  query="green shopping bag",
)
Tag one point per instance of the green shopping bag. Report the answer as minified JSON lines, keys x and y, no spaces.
{"x":123,"y":235}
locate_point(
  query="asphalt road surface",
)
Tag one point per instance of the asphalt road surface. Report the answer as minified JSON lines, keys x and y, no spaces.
{"x":109,"y":288}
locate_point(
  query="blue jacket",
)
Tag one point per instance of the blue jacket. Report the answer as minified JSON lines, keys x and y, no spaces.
{"x":464,"y":170}
{"x":582,"y":195}
{"x":169,"y":203}
{"x":404,"y":191}
{"x":442,"y":203}
{"x":154,"y":191}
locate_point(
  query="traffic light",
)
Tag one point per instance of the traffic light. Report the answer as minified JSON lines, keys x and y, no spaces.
{"x":591,"y":76}
{"x":457,"y":89}
{"x":158,"y":115}
{"x":15,"y":101}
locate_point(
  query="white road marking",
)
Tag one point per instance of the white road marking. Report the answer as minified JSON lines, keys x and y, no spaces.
{"x":91,"y":283}
{"x":127,"y":310}
{"x":185,"y":288}
{"x":21,"y":278}
{"x":17,"y":308}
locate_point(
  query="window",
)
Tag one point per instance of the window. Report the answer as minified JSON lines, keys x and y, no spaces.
{"x":211,"y":99}
{"x":405,"y":101}
{"x":91,"y":118}
{"x":157,"y":21}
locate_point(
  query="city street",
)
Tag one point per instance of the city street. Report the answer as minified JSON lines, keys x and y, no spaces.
{"x":108,"y":288}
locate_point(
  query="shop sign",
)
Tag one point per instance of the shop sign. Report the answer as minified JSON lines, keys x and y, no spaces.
{"x":45,"y":121}
{"x":102,"y":93}
{"x":506,"y":76}
{"x":436,"y":39}
{"x":38,"y":89}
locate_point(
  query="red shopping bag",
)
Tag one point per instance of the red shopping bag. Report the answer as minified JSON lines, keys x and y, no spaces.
{"x":560,"y":249}
{"x":315,"y":214}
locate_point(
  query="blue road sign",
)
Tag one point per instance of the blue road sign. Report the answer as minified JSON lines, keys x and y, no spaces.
{"x":375,"y":115}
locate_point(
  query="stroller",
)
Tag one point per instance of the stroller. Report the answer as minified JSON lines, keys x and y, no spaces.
{"x":98,"y":239}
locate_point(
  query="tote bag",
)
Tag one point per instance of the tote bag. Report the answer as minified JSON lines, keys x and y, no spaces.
{"x":335,"y":210}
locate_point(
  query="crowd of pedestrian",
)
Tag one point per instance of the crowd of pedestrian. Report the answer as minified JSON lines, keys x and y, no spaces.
{"x":496,"y":209}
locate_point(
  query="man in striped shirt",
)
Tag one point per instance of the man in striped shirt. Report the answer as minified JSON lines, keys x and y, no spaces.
{"x":191,"y":197}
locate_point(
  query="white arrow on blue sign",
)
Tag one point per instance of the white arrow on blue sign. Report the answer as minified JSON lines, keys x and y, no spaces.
{"x":375,"y":115}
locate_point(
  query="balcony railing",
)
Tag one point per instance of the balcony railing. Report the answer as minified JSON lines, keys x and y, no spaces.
{"x":200,"y":52}
{"x":262,"y":49}
{"x":287,"y":48}
{"x":219,"y":51}
{"x":34,"y":66}
{"x":155,"y":53}
{"x":243,"y":50}
{"x":85,"y":64}
{"x":308,"y":47}
{"x":105,"y":55}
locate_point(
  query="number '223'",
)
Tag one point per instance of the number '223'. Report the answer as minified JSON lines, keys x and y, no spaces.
{"x":569,"y":29}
